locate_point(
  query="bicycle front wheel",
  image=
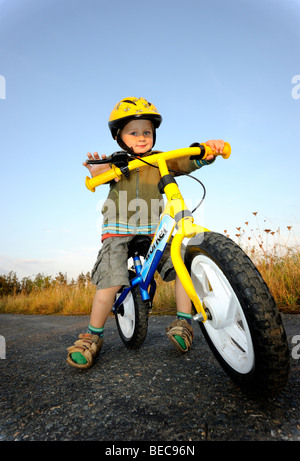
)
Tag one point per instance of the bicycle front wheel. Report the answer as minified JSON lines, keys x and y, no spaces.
{"x":244,"y":329}
{"x":132,"y":318}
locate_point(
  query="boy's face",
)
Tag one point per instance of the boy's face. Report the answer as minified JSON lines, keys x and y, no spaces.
{"x":138,"y":134}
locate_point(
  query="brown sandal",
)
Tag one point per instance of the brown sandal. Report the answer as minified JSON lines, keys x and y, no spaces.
{"x":184,"y":333}
{"x":89,"y":346}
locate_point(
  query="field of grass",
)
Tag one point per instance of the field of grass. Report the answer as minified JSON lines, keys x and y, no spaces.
{"x":71,"y":298}
{"x":276,"y":259}
{"x":279,"y":265}
{"x":282,"y":275}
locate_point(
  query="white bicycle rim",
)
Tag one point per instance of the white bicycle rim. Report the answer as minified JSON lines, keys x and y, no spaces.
{"x":228,"y":328}
{"x":127,"y":321}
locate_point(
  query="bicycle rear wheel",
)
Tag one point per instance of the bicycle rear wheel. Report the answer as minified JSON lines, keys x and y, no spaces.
{"x":244,"y":329}
{"x":132,"y":318}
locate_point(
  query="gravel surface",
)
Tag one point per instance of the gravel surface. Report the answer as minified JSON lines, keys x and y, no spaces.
{"x":151,"y":394}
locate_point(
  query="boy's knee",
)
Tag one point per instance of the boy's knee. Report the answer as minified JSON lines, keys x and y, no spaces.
{"x":105,"y":294}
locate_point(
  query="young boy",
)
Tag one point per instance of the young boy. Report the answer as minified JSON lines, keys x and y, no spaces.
{"x":133,"y":123}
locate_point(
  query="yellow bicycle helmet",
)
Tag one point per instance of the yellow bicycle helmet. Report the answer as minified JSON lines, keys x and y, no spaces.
{"x":129,"y":109}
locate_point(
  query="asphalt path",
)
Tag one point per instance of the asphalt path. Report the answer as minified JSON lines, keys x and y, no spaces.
{"x":153,"y":394}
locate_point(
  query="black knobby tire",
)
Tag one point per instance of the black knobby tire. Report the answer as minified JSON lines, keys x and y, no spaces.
{"x":260,"y":324}
{"x":133,"y":325}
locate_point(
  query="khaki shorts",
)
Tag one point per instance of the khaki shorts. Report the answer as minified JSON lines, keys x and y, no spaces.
{"x":111,"y":267}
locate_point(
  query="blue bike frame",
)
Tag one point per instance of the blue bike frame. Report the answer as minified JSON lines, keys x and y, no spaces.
{"x":145,"y":272}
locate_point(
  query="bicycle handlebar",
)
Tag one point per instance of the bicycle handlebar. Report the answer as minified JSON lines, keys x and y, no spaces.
{"x":120,"y":159}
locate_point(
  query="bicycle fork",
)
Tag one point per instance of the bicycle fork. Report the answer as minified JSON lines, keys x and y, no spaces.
{"x":184,"y":223}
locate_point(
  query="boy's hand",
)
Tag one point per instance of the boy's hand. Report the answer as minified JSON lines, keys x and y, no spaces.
{"x":97,"y":169}
{"x":215,"y":145}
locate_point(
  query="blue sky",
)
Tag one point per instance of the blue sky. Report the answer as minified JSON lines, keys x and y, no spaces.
{"x":213,"y":68}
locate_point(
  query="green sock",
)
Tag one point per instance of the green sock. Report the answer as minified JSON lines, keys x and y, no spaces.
{"x":184,"y":316}
{"x":188,"y":318}
{"x":96,"y":331}
{"x":77,"y":357}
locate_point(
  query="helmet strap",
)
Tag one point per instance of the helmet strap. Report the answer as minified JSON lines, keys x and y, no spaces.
{"x":122,"y":143}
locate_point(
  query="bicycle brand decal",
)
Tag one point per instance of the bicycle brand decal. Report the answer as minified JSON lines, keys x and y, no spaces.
{"x":158,"y":238}
{"x":159,"y":242}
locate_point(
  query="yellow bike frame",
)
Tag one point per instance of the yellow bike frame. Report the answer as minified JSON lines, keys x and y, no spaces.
{"x":175,"y":207}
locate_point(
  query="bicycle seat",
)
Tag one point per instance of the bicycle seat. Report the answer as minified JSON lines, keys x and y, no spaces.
{"x":140,"y":244}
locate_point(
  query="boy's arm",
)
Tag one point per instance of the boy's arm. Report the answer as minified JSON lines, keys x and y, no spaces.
{"x":97,"y":169}
{"x":187,"y":166}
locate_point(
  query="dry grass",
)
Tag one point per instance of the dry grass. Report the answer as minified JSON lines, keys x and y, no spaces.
{"x":76,"y":300}
{"x":277,"y":261}
{"x":279,"y":265}
{"x":282,"y":275}
{"x":62,"y":299}
{"x":164,"y":299}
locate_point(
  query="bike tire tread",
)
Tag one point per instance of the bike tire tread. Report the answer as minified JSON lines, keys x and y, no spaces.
{"x":271,"y":369}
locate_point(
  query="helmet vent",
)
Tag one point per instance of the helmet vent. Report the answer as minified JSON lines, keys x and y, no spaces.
{"x":130,"y":102}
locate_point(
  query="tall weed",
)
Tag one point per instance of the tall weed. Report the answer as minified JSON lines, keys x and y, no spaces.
{"x":278,"y":263}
